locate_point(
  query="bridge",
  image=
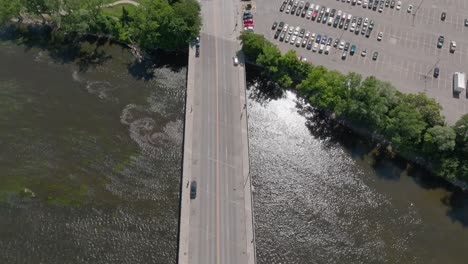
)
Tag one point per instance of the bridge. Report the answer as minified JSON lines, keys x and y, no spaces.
{"x":217,"y":226}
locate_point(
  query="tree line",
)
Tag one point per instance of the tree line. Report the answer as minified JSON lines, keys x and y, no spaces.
{"x":412,"y":123}
{"x":169,"y":25}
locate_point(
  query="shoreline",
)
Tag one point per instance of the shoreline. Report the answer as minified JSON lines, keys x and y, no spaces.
{"x":378,"y":144}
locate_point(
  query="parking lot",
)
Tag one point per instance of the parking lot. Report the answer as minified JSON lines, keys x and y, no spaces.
{"x":407,"y":53}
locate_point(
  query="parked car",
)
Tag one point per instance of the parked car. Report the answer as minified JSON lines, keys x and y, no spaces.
{"x":310,"y":43}
{"x":319,"y":37}
{"x":453,"y":46}
{"x":275,"y":24}
{"x":440,"y":42}
{"x":286,"y":39}
{"x":298,"y":42}
{"x":324,"y":39}
{"x":368,"y":32}
{"x":398,"y":5}
{"x":436,"y":72}
{"x":356,"y":31}
{"x":335,"y":44}
{"x":466,"y":22}
{"x":353,"y":49}
{"x":332,"y":12}
{"x":343,"y":55}
{"x":277,"y":33}
{"x":293,"y":40}
{"x":363,"y":52}
{"x":314,"y":49}
{"x":301,"y":33}
{"x":363,"y":30}
{"x":283,"y":6}
{"x":342,"y":45}
{"x":282,"y":35}
{"x":442,"y":16}
{"x":379,"y":36}
{"x":410,"y":8}
{"x":341,"y":23}
{"x":281,"y":25}
{"x":376,"y":54}
{"x":304,"y":42}
{"x":346,"y":47}
{"x":392,"y":4}
{"x":336,"y":22}
{"x":296,"y":31}
{"x":327,"y":50}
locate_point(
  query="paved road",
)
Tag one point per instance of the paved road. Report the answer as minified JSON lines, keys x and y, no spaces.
{"x":220,"y":219}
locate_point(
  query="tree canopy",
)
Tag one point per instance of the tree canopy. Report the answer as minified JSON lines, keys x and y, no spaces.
{"x":411,"y":122}
{"x":169,"y":25}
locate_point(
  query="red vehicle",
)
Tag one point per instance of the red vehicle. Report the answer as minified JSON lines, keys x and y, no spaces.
{"x":314,"y":15}
{"x":249,"y":25}
{"x":248,"y":20}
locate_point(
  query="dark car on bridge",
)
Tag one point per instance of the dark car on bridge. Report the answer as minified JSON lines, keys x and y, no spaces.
{"x":193,"y":190}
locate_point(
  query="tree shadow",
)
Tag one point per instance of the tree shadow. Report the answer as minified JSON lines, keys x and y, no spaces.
{"x":265,"y":90}
{"x":144,"y":69}
{"x":61,"y":51}
{"x":457,"y":201}
{"x":386,"y":165}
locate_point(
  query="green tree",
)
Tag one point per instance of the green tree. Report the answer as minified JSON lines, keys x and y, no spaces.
{"x":366,"y":105}
{"x":404,"y":128}
{"x":269,"y":58}
{"x":439,"y":140}
{"x":252,"y":44}
{"x":428,"y":107}
{"x":10,"y":9}
{"x":188,"y":12}
{"x":461,"y":130}
{"x":448,"y":167}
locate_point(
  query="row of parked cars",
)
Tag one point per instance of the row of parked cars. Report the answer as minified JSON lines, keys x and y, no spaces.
{"x":329,"y":16}
{"x":376,"y":5}
{"x":248,"y":21}
{"x":315,"y":42}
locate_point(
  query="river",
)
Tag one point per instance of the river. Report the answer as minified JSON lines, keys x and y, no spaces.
{"x":320,"y":197}
{"x":90,"y":163}
{"x":91,"y":153}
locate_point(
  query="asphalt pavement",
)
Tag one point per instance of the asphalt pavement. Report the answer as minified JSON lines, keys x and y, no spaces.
{"x":216,"y":226}
{"x":407,"y":53}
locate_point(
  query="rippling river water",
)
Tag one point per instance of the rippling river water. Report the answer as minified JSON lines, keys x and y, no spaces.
{"x":320,"y":198}
{"x":90,"y":158}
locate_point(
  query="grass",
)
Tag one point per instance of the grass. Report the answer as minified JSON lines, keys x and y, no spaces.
{"x":116,"y":11}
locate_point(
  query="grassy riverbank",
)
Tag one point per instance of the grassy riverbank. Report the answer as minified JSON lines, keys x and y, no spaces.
{"x":408,"y":124}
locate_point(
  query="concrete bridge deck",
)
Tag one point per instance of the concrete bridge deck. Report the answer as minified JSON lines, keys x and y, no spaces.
{"x":217,"y":226}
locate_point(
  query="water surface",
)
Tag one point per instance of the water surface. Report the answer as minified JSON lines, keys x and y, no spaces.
{"x":90,"y":158}
{"x":320,"y":197}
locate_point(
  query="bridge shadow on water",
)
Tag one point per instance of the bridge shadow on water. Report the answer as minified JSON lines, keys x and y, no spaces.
{"x":386,"y":166}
